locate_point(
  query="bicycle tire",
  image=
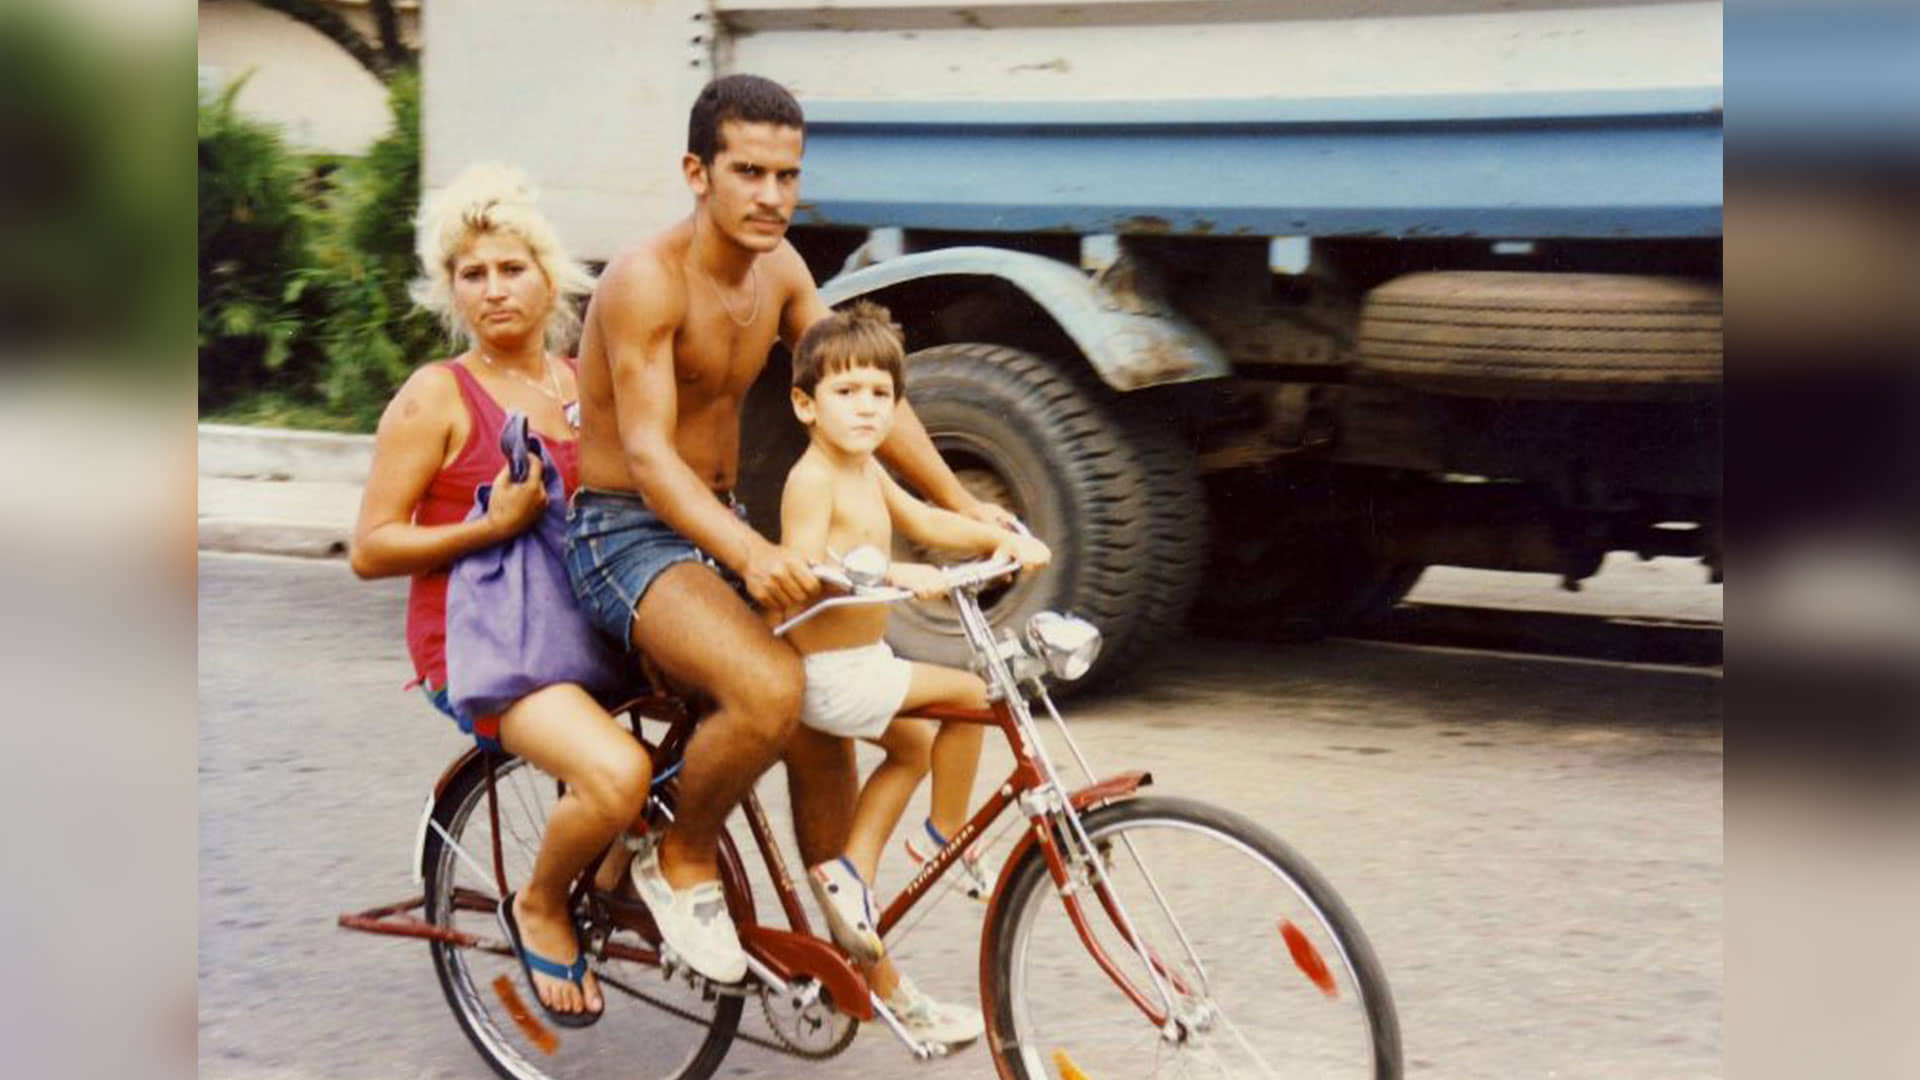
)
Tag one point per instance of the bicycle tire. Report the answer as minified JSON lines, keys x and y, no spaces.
{"x":628,"y":1038}
{"x":1248,"y":885}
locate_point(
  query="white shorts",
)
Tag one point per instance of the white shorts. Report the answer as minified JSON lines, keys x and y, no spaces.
{"x":855,"y":692}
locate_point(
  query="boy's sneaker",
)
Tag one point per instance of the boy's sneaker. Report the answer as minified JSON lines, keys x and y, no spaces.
{"x":848,"y":905}
{"x":965,"y":875}
{"x":692,"y":921}
{"x":930,"y":1021}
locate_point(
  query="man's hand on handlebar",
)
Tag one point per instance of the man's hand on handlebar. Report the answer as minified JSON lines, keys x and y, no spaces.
{"x":989,"y":514}
{"x":778,"y":577}
{"x":1024,"y":549}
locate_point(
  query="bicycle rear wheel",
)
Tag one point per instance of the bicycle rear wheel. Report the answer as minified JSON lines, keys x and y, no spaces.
{"x":653,"y":1028}
{"x":1268,"y":971}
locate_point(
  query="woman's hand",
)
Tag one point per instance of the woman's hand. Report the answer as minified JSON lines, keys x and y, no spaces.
{"x":514,"y":507}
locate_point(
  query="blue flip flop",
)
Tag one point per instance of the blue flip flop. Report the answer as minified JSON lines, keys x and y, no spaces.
{"x":531,"y":962}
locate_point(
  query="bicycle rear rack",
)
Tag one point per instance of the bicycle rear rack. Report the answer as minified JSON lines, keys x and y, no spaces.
{"x":394,"y":919}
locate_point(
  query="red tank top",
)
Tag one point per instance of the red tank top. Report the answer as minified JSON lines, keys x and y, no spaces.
{"x":449,"y":498}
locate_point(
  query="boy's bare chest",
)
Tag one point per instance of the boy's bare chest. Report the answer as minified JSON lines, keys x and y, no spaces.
{"x":859,"y":515}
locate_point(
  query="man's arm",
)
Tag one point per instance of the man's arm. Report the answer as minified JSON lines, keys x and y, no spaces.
{"x":909,"y":450}
{"x":640,"y":314}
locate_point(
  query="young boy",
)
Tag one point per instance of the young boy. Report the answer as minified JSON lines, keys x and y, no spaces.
{"x":847,"y":380}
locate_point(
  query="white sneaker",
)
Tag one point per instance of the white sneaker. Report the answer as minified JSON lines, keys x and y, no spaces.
{"x":848,"y":905}
{"x":930,"y":1021}
{"x":966,"y":875}
{"x":693,"y":921}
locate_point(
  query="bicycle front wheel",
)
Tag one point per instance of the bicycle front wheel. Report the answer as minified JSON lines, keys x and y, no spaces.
{"x":1265,"y":971}
{"x":653,"y":1029}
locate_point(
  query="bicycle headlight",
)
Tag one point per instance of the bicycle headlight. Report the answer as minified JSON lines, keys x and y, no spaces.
{"x":1068,"y":644}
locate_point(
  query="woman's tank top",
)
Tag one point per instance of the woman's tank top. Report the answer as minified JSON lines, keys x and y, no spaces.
{"x":449,"y":498}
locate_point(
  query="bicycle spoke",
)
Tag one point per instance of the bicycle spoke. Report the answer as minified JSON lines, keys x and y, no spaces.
{"x":464,"y":856}
{"x":1240,"y":1004}
{"x":662,"y":1032}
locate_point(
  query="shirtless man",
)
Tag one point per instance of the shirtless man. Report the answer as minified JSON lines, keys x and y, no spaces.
{"x":676,"y":332}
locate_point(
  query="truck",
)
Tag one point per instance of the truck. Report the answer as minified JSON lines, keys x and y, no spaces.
{"x":1253,"y":309}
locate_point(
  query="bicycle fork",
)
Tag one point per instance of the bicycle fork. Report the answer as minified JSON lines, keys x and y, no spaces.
{"x":1081,"y":866}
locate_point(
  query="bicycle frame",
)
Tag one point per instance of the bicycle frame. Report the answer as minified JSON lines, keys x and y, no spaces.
{"x":1053,"y":823}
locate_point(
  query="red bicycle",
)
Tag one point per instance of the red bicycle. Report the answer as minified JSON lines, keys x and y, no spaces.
{"x":1127,"y":935}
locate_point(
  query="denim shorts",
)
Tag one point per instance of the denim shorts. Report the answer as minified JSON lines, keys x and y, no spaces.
{"x":616,"y":548}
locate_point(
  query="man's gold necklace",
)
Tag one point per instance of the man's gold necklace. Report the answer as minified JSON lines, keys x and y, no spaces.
{"x":753,"y":277}
{"x":550,"y":386}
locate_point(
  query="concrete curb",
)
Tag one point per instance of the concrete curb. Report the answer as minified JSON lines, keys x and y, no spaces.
{"x":255,"y":537}
{"x":250,"y":453}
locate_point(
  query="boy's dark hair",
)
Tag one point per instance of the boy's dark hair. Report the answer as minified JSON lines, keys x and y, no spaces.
{"x":747,"y":98}
{"x":863,"y":336}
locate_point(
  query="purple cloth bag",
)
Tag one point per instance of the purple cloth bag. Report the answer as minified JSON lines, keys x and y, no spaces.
{"x":513,"y":625}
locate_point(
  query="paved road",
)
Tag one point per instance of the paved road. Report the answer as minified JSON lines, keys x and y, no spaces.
{"x":1534,"y":846}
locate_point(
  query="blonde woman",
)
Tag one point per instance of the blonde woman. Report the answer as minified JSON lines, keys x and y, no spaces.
{"x":494,"y":272}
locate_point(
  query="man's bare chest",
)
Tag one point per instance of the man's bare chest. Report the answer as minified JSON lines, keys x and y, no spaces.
{"x":717,"y":364}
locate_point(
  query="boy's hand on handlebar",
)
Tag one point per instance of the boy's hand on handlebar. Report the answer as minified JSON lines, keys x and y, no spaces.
{"x":925,"y":582}
{"x":778,"y":577}
{"x":1028,"y":551}
{"x":514,"y":507}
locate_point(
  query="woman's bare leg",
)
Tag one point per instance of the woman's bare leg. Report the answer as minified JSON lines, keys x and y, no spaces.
{"x":564,"y":733}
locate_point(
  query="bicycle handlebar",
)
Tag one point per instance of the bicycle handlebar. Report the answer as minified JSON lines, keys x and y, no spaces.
{"x":961,"y":576}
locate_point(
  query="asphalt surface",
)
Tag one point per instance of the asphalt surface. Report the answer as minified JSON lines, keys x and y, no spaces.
{"x":1533,"y":844}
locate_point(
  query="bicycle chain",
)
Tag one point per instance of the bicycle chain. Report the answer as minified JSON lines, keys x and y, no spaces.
{"x":778,"y":1045}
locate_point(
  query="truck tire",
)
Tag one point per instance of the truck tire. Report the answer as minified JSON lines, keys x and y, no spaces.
{"x":1109,"y":487}
{"x":1545,"y":336}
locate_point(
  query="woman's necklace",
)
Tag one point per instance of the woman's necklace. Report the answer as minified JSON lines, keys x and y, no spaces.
{"x":550,"y":386}
{"x":753,"y":278}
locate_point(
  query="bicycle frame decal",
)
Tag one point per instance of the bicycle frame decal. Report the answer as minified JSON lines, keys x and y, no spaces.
{"x":776,"y":864}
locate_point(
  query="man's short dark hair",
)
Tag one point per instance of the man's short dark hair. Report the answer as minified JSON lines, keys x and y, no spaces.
{"x":863,"y":336}
{"x":746,"y":98}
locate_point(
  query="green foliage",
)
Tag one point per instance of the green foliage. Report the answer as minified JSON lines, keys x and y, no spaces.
{"x":93,"y":182}
{"x":254,"y":250}
{"x":372,"y":335}
{"x":304,"y":268}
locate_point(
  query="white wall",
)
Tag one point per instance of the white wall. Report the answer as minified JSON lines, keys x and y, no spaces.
{"x":590,"y":97}
{"x":319,"y":96}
